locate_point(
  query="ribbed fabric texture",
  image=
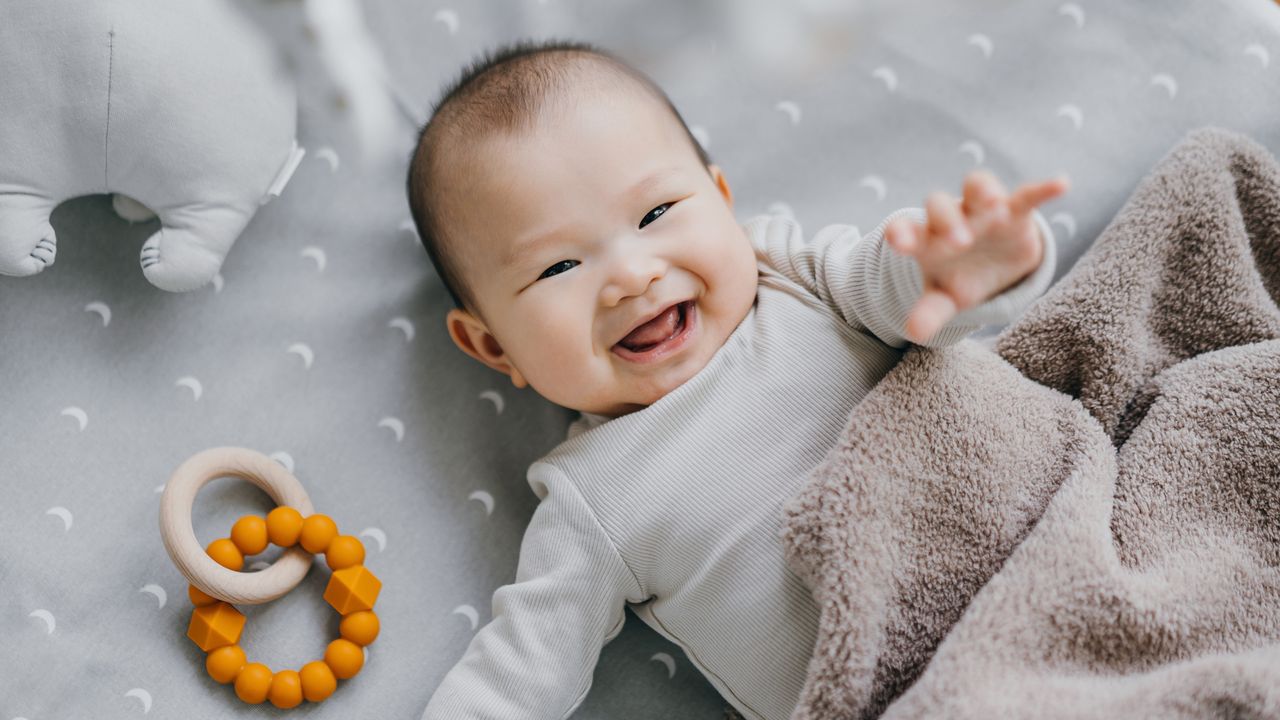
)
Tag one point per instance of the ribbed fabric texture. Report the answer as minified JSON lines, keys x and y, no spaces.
{"x":675,"y":509}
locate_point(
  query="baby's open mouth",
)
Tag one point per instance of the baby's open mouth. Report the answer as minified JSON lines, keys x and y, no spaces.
{"x":660,"y":336}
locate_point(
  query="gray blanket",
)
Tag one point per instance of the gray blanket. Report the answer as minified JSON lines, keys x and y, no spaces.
{"x":1084,"y":521}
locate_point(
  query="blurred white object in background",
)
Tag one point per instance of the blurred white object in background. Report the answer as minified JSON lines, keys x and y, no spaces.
{"x":356,"y":66}
{"x":793,"y":39}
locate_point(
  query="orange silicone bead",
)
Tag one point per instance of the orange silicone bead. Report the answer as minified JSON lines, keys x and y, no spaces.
{"x":343,"y":552}
{"x":283,"y":526}
{"x":360,"y":627}
{"x":225,"y":553}
{"x":286,"y":689}
{"x":225,"y":663}
{"x":199,"y":597}
{"x":250,"y":534}
{"x":318,"y":681}
{"x":344,"y":658}
{"x":317,"y":532}
{"x":253,"y":682}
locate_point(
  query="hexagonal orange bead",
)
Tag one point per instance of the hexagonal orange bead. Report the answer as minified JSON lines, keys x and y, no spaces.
{"x":215,"y":625}
{"x":352,"y":589}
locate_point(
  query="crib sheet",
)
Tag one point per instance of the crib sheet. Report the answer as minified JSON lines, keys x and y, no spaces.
{"x":323,"y":341}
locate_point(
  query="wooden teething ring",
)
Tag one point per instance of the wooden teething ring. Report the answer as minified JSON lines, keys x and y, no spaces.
{"x":192,"y":560}
{"x":216,"y":582}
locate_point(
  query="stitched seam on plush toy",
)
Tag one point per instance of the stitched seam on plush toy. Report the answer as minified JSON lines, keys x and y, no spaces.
{"x":106,"y":157}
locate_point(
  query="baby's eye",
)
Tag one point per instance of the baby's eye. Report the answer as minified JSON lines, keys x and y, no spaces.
{"x":553,"y":267}
{"x":655,"y":213}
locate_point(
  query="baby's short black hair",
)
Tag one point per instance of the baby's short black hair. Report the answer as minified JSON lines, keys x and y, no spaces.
{"x":501,"y":90}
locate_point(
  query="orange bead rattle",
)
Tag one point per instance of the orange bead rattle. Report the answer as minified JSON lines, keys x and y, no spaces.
{"x":216,"y":580}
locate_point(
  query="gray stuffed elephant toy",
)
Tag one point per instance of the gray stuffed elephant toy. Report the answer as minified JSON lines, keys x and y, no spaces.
{"x":180,"y":109}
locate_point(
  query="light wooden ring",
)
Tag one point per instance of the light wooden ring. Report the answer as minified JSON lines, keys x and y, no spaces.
{"x":180,"y":539}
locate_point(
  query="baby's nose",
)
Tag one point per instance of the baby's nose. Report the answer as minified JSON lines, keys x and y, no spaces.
{"x":632,"y":276}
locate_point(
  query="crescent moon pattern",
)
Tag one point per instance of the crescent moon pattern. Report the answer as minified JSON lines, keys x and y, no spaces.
{"x":485,"y":499}
{"x":330,"y":156}
{"x":77,"y":413}
{"x":667,"y":660}
{"x":1259,"y":52}
{"x":63,"y":513}
{"x":396,"y":425}
{"x":449,"y":18}
{"x":1167,"y":82}
{"x":791,"y":109}
{"x":1074,"y":11}
{"x":378,"y":536}
{"x":189,"y":382}
{"x":468,"y":612}
{"x":1066,"y":220}
{"x":103,"y":311}
{"x":156,"y":590}
{"x":47,"y":617}
{"x":284,"y":458}
{"x":316,"y":254}
{"x":1073,"y":113}
{"x":142,"y":695}
{"x":974,"y":148}
{"x":402,"y":324}
{"x":496,"y":398}
{"x":889,"y":77}
{"x":303,"y":351}
{"x":983,"y":43}
{"x":876,"y":183}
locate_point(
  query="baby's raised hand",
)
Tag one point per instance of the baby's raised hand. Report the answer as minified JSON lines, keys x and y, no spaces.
{"x":972,"y":249}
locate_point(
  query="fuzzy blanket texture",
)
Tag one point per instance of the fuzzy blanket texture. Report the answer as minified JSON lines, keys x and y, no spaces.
{"x":1084,"y":520}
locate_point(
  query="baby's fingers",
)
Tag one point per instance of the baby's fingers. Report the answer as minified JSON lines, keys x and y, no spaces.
{"x":946,"y":221}
{"x":904,"y":235}
{"x":1030,"y":196}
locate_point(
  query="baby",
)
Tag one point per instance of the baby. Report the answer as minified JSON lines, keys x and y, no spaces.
{"x":592,"y":253}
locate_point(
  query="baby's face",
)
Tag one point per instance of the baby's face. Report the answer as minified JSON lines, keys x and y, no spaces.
{"x":576,"y":232}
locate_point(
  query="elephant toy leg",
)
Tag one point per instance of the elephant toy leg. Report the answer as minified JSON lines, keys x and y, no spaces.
{"x":27,"y":241}
{"x":186,"y":252}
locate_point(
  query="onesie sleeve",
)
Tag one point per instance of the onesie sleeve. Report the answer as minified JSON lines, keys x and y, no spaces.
{"x":536,"y":658}
{"x":873,"y":288}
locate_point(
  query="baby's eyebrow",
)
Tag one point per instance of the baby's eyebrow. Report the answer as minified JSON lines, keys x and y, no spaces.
{"x":520,"y":249}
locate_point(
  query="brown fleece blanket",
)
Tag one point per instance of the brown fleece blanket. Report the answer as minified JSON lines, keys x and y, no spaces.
{"x":1085,"y":521}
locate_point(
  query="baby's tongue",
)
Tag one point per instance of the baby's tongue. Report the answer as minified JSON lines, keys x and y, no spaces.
{"x":654,"y":331}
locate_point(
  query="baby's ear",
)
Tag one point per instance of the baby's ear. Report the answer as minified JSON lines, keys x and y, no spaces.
{"x":722,"y":183}
{"x":473,"y":338}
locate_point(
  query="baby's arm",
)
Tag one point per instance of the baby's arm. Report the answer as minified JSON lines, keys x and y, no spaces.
{"x":537,"y":657}
{"x":874,"y":288}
